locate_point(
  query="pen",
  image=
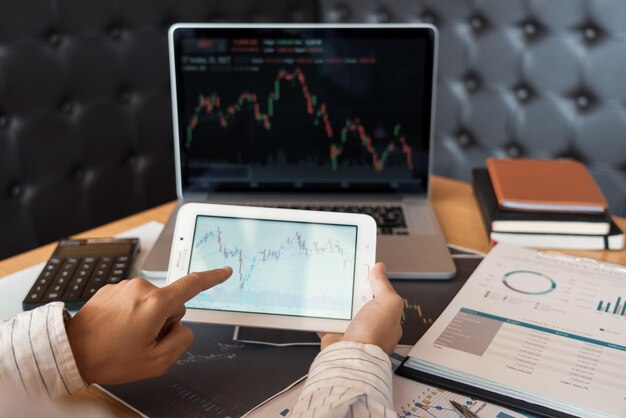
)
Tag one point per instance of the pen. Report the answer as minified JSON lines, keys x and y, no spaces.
{"x":463,"y":410}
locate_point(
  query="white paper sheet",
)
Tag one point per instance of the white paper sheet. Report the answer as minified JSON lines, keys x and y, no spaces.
{"x":548,"y":329}
{"x":13,"y":289}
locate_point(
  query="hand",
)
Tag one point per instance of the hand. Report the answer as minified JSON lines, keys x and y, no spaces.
{"x":378,"y":321}
{"x":132,"y":330}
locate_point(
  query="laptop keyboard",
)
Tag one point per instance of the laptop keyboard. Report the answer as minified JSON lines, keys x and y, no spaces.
{"x":389,"y":219}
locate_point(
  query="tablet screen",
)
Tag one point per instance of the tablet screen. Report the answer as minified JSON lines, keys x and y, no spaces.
{"x":279,"y":267}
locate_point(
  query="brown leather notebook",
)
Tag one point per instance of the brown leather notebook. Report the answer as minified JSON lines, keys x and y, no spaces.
{"x":545,"y":186}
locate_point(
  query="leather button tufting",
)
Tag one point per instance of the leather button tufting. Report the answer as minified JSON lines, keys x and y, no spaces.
{"x":530,"y":28}
{"x":15,"y":190}
{"x":297,"y":15}
{"x":471,"y":83}
{"x":464,"y":139}
{"x":168,"y":21}
{"x":342,"y":12}
{"x":428,"y":17}
{"x":383,"y":16}
{"x":522,"y":93}
{"x":67,"y":106}
{"x":78,"y":173}
{"x":514,"y":151}
{"x":125,"y":96}
{"x":116,"y":32}
{"x":132,"y":159}
{"x":583,"y":101}
{"x":477,"y":23}
{"x":54,"y":39}
{"x":590,"y":33}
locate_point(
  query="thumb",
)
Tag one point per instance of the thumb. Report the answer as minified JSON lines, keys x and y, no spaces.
{"x":379,"y":282}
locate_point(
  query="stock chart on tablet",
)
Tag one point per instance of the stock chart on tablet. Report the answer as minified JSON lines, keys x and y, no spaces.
{"x":279,"y":267}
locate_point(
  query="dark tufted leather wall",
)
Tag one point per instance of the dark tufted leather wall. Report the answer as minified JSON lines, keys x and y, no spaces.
{"x":85,"y":119}
{"x":522,"y":78}
{"x":85,"y":122}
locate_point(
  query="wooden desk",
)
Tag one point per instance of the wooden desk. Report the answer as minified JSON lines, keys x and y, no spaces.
{"x":453,"y":201}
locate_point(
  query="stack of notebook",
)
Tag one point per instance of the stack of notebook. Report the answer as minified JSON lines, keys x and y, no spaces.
{"x":544,"y":204}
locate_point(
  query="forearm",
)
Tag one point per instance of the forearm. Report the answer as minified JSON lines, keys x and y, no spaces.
{"x":347,"y":379}
{"x":35,"y":355}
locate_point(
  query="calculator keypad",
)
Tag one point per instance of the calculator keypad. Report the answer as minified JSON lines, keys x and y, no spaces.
{"x":75,"y":279}
{"x":44,"y":280}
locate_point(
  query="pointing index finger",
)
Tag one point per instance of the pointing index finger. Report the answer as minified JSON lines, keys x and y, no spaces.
{"x":190,"y":285}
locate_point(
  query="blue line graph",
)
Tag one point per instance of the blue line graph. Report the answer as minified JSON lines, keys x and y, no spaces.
{"x":293,"y":245}
{"x":292,"y":268}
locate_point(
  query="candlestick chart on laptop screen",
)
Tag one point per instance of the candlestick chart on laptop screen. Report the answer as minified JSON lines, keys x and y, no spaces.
{"x":303,"y":108}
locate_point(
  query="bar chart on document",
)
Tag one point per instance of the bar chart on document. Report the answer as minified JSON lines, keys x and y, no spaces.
{"x":290,"y":268}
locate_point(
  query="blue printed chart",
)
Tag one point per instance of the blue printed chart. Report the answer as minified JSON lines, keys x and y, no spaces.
{"x":290,"y":268}
{"x":417,"y":400}
{"x":529,"y":282}
{"x":616,"y":308}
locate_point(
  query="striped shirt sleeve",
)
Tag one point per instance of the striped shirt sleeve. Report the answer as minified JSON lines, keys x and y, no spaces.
{"x":347,"y":379}
{"x":35,"y":355}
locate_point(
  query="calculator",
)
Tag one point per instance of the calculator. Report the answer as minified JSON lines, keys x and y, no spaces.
{"x":78,"y":268}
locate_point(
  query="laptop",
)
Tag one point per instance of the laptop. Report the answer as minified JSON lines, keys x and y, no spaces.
{"x":310,"y":116}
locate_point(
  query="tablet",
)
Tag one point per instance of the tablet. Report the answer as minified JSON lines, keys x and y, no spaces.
{"x":292,"y":269}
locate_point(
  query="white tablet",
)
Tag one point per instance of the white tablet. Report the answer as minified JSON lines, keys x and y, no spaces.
{"x":292,"y":269}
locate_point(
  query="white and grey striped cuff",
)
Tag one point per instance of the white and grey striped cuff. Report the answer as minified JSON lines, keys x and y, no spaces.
{"x":40,"y":353}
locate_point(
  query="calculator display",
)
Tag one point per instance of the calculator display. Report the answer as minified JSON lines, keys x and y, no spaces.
{"x":95,"y":249}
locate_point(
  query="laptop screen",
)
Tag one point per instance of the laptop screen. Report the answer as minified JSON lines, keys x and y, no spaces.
{"x":343,"y":109}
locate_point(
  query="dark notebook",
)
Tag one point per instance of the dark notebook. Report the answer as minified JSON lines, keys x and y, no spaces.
{"x":614,"y":240}
{"x":499,"y":220}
